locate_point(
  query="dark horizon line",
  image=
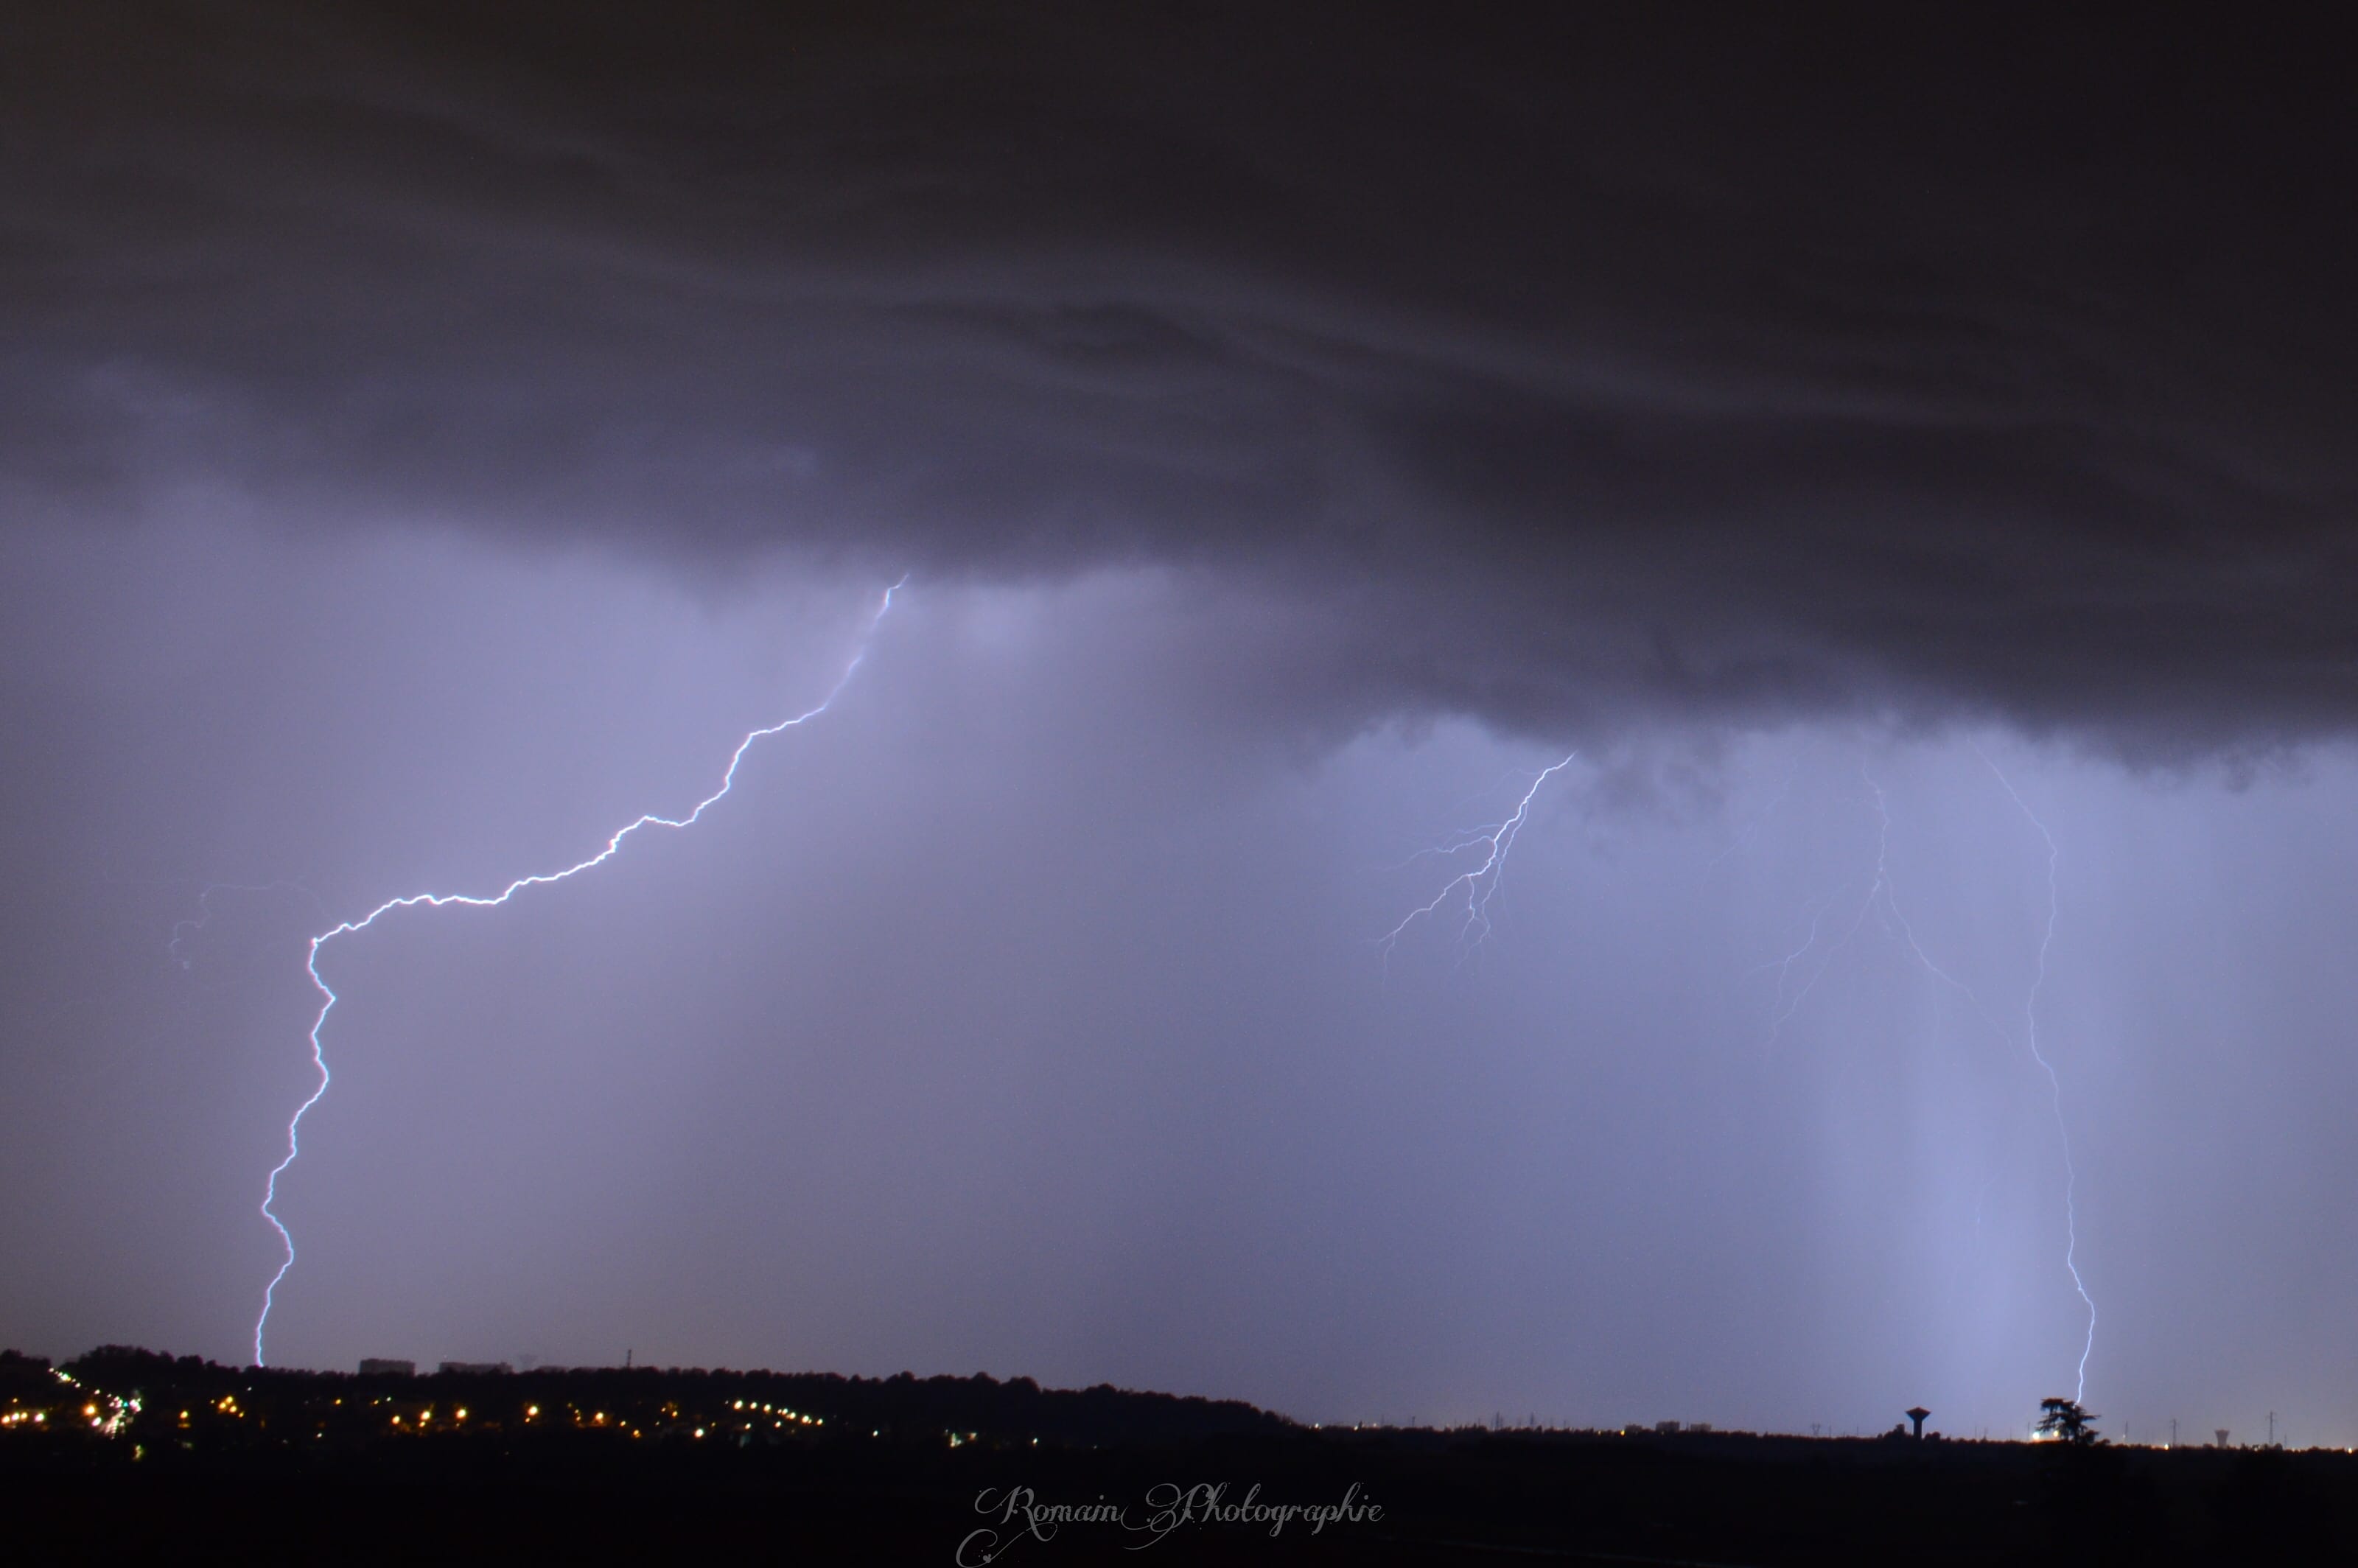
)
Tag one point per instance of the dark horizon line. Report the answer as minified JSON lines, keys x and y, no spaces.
{"x":398,"y":1371}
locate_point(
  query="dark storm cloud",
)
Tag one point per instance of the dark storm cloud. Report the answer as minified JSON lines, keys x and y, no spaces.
{"x":1722,"y":364}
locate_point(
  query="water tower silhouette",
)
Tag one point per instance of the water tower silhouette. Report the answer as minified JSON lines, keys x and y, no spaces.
{"x":1917,"y":1415}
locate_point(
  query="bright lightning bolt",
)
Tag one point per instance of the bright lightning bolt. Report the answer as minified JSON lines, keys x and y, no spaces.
{"x":1479,"y":885}
{"x":1880,"y":893}
{"x":477,"y":901}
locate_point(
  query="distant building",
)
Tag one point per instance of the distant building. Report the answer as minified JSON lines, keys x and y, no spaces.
{"x":1698,"y":1426}
{"x":1666,"y":1427}
{"x":375,"y":1367}
{"x":479,"y":1368}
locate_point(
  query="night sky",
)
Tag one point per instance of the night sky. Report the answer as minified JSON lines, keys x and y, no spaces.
{"x":1904,"y":461}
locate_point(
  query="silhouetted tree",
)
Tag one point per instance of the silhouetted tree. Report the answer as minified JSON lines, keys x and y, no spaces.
{"x":2065,"y":1422}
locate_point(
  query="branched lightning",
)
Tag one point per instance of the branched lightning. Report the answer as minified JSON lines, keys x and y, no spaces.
{"x":438,"y":901}
{"x":1880,"y":893}
{"x":1479,"y":885}
{"x":1782,"y":1009}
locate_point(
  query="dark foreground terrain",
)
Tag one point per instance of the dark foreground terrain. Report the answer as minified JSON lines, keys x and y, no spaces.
{"x":127,"y":1455}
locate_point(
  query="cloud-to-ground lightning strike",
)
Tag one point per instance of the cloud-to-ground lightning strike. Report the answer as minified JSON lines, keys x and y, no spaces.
{"x":1880,"y":891}
{"x":2054,"y":1084}
{"x":1481,"y":883}
{"x":478,"y":901}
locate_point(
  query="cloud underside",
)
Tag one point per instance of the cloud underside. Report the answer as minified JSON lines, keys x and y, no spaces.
{"x":1754,"y":372}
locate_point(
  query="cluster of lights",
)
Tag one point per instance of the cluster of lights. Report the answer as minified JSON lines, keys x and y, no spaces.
{"x":109,"y":1413}
{"x":780,"y":1414}
{"x":112,"y":1415}
{"x":109,"y":1418}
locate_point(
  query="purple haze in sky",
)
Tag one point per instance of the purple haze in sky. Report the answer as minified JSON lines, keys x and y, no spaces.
{"x":427,"y":443}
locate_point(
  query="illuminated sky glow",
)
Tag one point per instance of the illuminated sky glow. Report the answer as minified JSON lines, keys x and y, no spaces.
{"x":1859,"y":516}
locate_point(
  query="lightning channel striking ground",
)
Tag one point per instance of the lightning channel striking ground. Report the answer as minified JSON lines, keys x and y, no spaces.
{"x":478,"y":901}
{"x":2054,"y":1084}
{"x":1881,"y":892}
